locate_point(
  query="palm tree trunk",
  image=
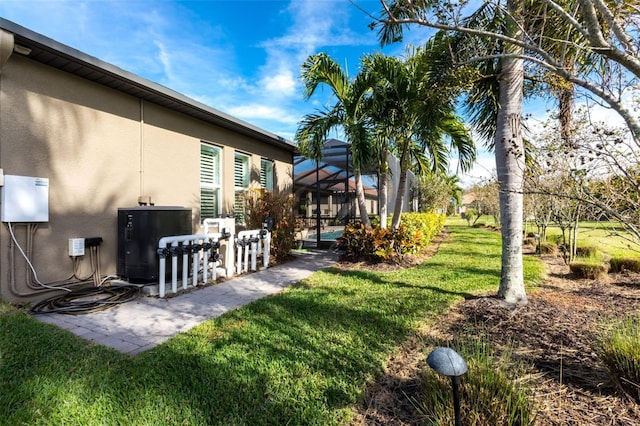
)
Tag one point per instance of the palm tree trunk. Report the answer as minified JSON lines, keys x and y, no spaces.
{"x":383,"y":197}
{"x":362,"y":203}
{"x":400,"y":193}
{"x":509,"y":152}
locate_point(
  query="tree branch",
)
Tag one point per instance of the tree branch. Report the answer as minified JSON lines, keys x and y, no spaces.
{"x":625,"y":39}
{"x":627,"y":61}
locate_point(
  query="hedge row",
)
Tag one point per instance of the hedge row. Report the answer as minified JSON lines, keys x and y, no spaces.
{"x":415,"y":233}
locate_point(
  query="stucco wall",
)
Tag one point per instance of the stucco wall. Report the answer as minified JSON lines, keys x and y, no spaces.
{"x":100,"y":150}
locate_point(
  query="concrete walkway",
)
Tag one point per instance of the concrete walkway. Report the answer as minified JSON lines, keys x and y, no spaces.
{"x":141,"y":324}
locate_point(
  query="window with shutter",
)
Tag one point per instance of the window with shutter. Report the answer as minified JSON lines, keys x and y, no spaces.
{"x":241,"y":183}
{"x":209,"y":181}
{"x":266,"y":174}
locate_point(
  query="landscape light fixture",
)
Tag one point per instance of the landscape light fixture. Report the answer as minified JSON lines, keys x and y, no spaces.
{"x":448,"y":362}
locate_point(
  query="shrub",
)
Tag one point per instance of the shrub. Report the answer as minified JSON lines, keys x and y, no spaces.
{"x":278,"y":205}
{"x":557,"y":239}
{"x":547,"y":247}
{"x":422,"y":227}
{"x":619,"y":264}
{"x":415,"y":233}
{"x":589,"y":270}
{"x":376,"y":244}
{"x":489,"y":394}
{"x":619,"y":349}
{"x":587,"y":251}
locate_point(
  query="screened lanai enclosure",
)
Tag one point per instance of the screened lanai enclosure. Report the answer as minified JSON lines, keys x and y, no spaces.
{"x":325,"y":192}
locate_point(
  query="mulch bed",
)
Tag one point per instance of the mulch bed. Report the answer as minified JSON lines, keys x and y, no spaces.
{"x":554,"y":333}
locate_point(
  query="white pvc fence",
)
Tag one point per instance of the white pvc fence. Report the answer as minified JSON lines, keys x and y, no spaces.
{"x":223,"y":225}
{"x":249,"y":244}
{"x":204,"y":249}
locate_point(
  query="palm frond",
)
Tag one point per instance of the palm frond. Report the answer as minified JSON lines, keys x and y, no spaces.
{"x":321,"y":68}
{"x":313,"y":130}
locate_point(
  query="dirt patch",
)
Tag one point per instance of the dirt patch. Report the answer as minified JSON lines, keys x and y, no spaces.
{"x":554,"y":332}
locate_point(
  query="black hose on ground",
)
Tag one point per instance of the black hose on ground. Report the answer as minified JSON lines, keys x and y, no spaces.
{"x":87,"y":300}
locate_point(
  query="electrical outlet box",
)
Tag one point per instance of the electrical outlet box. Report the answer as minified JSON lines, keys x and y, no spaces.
{"x":76,"y":247}
{"x":25,"y":199}
{"x":92,"y":241}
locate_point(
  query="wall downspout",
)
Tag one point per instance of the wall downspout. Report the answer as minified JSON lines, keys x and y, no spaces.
{"x":7,"y":43}
{"x":141,"y":171}
{"x":6,"y":47}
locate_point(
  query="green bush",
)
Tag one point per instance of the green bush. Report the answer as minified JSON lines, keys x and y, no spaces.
{"x":422,"y":227}
{"x":619,"y":349}
{"x":415,"y":233}
{"x":589,"y":269}
{"x":587,"y":251}
{"x":557,"y":239}
{"x":279,"y":206}
{"x":489,"y":392}
{"x":619,"y":264}
{"x":547,"y":247}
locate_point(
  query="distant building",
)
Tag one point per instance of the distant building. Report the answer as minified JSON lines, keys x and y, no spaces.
{"x":467,"y":202}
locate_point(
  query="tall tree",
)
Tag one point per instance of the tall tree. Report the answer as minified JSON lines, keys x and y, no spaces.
{"x":348,"y":113}
{"x":417,"y":118}
{"x":599,"y":32}
{"x":602,"y":35}
{"x":381,"y":149}
{"x":437,"y":192}
{"x":509,"y":153}
{"x":508,"y":144}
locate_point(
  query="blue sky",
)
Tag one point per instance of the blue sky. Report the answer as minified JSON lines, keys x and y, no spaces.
{"x":242,"y":57}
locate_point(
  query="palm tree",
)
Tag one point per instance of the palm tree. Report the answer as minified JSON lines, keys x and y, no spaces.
{"x":455,"y":190}
{"x":496,"y":106}
{"x":381,"y":149}
{"x":416,"y":117}
{"x":510,"y":159}
{"x":348,"y":113}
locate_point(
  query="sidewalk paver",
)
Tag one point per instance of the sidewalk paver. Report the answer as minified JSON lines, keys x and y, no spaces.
{"x":141,"y":324}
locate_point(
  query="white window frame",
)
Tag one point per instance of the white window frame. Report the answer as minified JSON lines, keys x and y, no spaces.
{"x":210,"y":182}
{"x":266,"y":174}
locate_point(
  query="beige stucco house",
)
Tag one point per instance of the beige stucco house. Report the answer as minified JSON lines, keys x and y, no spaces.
{"x":100,"y":138}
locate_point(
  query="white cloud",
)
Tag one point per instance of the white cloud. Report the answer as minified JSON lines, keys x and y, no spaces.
{"x":483,"y":169}
{"x":282,"y":84}
{"x":262,"y":112}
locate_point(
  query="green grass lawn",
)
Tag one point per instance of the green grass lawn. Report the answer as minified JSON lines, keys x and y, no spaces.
{"x":595,"y":234}
{"x":302,"y":357}
{"x":599,"y":235}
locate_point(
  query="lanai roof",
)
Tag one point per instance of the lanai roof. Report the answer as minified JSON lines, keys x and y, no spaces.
{"x":334,"y":169}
